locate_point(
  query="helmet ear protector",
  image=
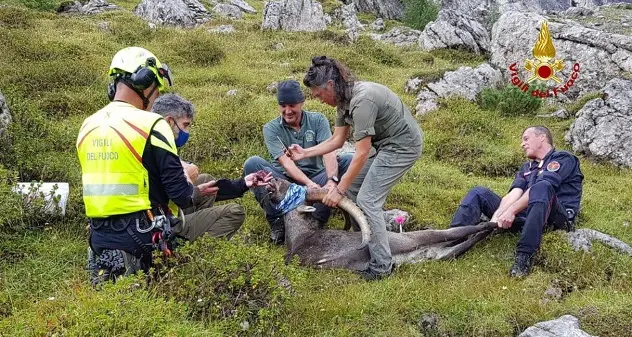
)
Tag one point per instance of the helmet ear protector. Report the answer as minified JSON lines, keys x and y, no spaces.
{"x":144,"y":76}
{"x":141,"y":79}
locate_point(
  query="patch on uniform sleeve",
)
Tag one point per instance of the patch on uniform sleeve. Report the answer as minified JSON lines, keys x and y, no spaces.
{"x":553,"y":166}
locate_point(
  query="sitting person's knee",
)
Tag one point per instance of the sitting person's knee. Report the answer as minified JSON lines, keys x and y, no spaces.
{"x":253,"y":164}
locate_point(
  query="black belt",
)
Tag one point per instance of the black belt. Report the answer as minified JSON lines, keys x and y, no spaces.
{"x":119,"y":223}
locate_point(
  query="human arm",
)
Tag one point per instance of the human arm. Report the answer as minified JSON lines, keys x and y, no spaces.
{"x":507,"y":201}
{"x":161,"y":158}
{"x":507,"y":217}
{"x":333,"y":143}
{"x":295,"y":173}
{"x":191,"y":171}
{"x":363,"y":148}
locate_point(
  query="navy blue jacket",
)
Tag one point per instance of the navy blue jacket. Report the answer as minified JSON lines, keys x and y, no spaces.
{"x":561,"y":170}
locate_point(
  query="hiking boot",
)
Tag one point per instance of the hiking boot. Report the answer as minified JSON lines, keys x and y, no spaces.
{"x":371,"y":275}
{"x":111,"y":264}
{"x":277,"y":230}
{"x":522,"y":265}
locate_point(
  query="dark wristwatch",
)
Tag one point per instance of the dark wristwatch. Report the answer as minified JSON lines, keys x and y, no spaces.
{"x":334,"y":178}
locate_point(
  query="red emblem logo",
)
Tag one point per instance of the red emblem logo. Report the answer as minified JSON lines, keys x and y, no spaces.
{"x":553,"y":166}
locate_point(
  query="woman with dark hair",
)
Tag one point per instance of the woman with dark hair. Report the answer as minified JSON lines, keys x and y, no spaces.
{"x":379,"y":119}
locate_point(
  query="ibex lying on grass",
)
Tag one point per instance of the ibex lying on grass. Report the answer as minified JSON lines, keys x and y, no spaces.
{"x":330,"y":248}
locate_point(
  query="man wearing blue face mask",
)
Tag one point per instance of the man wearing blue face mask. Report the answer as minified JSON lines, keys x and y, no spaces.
{"x":202,"y":217}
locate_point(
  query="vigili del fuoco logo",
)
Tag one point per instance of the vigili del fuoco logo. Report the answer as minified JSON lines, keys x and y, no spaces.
{"x":544,"y":68}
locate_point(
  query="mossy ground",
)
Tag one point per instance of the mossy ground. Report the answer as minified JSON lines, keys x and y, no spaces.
{"x":53,"y":74}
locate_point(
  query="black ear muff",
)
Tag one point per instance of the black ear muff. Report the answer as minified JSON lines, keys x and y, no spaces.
{"x":144,"y":77}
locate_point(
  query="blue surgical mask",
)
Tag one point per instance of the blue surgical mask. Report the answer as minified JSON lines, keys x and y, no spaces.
{"x":183,"y":136}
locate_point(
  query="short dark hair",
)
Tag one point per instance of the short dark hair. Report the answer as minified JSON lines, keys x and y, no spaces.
{"x":172,"y":105}
{"x":539,"y":130}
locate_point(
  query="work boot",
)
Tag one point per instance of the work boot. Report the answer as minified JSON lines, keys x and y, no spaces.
{"x":277,"y":230}
{"x":370,"y":275}
{"x":522,"y":265}
{"x":111,"y":264}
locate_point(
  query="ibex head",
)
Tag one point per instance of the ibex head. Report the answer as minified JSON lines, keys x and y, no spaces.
{"x":277,"y":188}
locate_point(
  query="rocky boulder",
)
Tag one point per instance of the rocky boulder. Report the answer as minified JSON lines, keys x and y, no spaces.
{"x":603,"y":128}
{"x":565,"y":326}
{"x":591,"y":56}
{"x":454,"y":30}
{"x":244,"y":6}
{"x":400,"y":36}
{"x":228,"y":11}
{"x":386,"y":9}
{"x":293,"y":16}
{"x":464,"y":82}
{"x":377,"y":25}
{"x":396,"y":220}
{"x":180,"y":13}
{"x":5,"y":115}
{"x":88,"y":8}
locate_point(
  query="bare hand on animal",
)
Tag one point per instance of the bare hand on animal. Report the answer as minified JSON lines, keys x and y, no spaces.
{"x":257,"y":179}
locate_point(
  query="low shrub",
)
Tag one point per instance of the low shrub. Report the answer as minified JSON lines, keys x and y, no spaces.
{"x":242,"y":286}
{"x":15,"y":17}
{"x":509,"y":101}
{"x":198,"y":49}
{"x":418,"y":13}
{"x":40,"y":5}
{"x":126,"y":308}
{"x":33,"y":208}
{"x":378,"y":52}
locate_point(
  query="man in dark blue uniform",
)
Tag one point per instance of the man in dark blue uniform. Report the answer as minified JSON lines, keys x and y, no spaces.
{"x":545,"y":193}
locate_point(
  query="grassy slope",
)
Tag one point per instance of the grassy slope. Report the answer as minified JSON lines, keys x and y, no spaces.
{"x":53,"y":73}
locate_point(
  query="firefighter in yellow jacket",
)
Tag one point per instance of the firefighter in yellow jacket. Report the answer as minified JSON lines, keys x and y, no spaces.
{"x":133,"y":180}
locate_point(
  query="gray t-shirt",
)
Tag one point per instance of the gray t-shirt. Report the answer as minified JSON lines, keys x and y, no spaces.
{"x":375,"y":110}
{"x":315,"y":129}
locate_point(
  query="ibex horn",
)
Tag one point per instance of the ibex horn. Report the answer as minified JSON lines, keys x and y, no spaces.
{"x":350,"y":207}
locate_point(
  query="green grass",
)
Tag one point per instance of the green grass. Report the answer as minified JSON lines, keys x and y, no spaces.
{"x":54,"y":75}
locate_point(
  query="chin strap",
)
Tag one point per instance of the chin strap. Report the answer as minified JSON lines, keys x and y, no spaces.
{"x":140,"y":93}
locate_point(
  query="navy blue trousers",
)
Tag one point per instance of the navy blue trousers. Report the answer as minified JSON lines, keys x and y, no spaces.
{"x":121,"y":232}
{"x":544,"y":210}
{"x":322,"y":213}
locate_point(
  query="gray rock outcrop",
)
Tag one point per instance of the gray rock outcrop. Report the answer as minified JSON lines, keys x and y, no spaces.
{"x":244,"y":6}
{"x":603,"y":128}
{"x":565,"y":326}
{"x":599,"y":56}
{"x":400,"y":36}
{"x":396,"y":220}
{"x":228,"y":11}
{"x":386,"y":9}
{"x":179,"y":13}
{"x":293,"y":16}
{"x":464,"y":82}
{"x":455,"y":30}
{"x":5,"y":115}
{"x":378,"y":25}
{"x":91,"y":7}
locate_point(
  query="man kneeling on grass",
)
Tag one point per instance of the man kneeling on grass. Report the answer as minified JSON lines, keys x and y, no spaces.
{"x":546,"y":193}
